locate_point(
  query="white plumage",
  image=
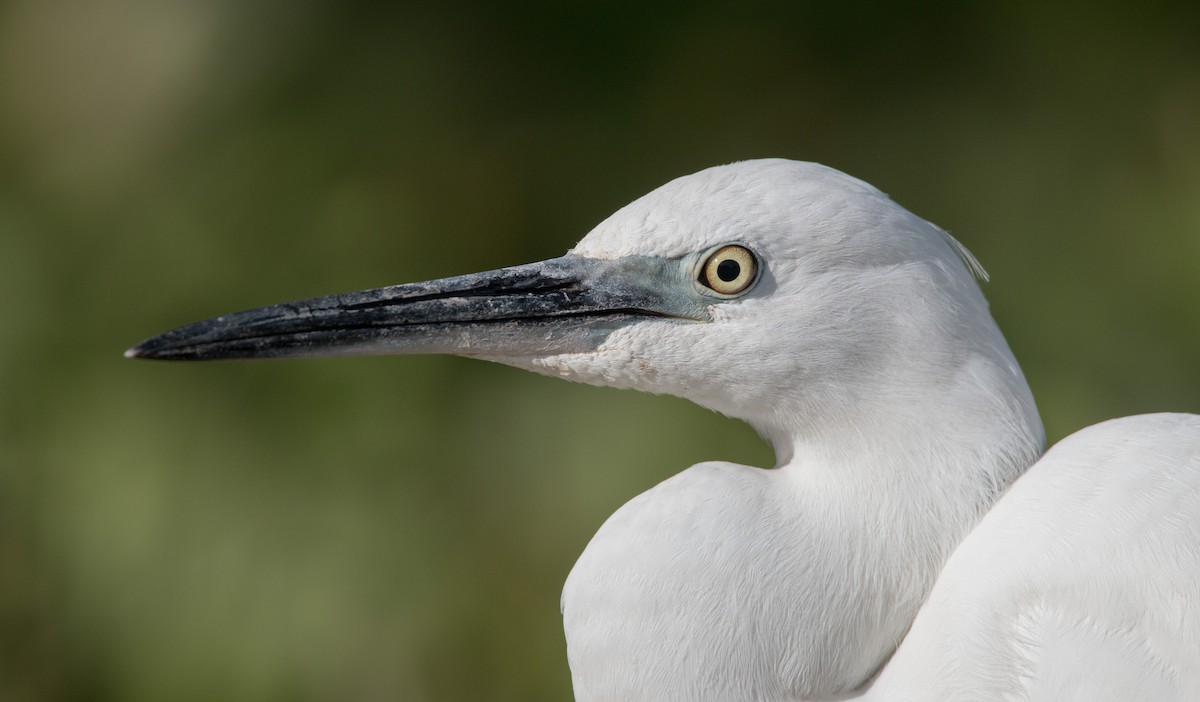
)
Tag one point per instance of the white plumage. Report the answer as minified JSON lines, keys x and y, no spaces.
{"x":909,"y":544}
{"x":904,"y":417}
{"x":1081,"y":583}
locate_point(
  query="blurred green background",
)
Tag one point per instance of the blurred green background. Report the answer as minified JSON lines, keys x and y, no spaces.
{"x":399,"y":528}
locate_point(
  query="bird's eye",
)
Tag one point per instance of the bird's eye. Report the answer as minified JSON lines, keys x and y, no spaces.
{"x":729,"y":270}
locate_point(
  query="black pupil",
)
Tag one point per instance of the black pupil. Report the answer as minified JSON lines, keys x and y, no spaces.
{"x":728,"y":270}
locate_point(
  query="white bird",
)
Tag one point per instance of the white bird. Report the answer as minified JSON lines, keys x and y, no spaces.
{"x":908,"y":545}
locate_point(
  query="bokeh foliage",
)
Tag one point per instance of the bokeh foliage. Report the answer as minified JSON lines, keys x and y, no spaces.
{"x":400,"y":528}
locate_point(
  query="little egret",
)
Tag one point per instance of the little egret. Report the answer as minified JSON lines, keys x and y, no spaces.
{"x":908,"y":545}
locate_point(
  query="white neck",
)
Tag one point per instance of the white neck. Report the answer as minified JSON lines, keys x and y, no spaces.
{"x":886,"y":493}
{"x":814,"y":570}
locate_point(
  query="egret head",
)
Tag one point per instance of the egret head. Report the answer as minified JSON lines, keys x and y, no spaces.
{"x":850,"y":300}
{"x":778,"y":292}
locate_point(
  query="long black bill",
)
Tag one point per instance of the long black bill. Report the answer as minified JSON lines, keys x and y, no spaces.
{"x":563,"y":305}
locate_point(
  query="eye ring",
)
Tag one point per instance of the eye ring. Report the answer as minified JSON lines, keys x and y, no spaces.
{"x":729,"y":270}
